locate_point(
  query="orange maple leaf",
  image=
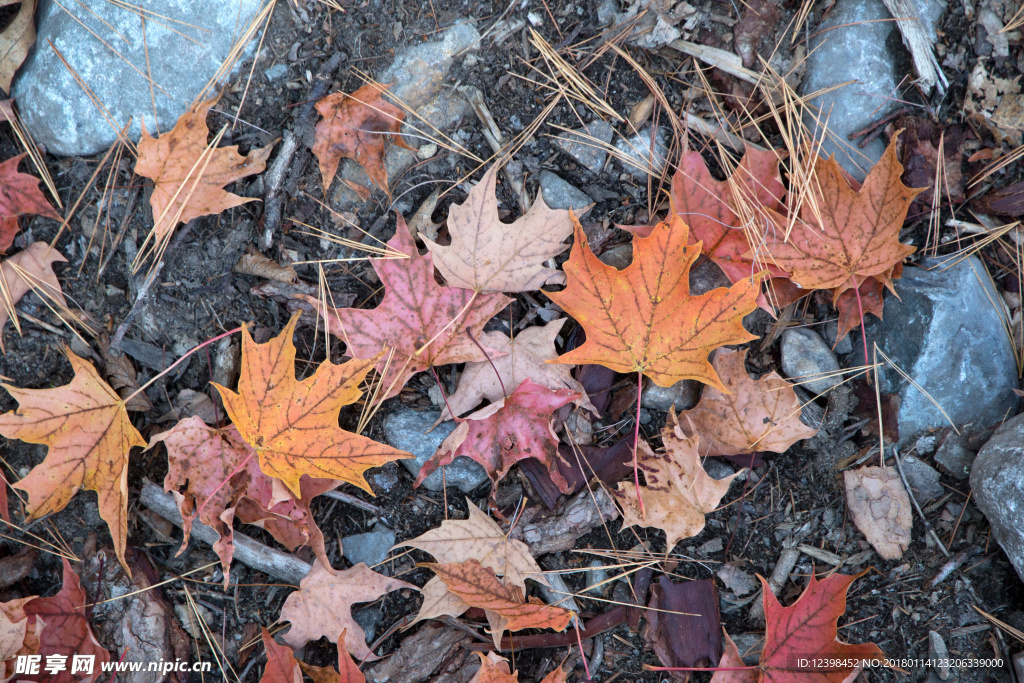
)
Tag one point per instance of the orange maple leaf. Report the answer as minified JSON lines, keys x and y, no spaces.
{"x":293,"y":425}
{"x":29,"y":269}
{"x":89,"y":435}
{"x":643,"y":319}
{"x":357,"y":126}
{"x":19,"y":196}
{"x":188,"y":176}
{"x":845,"y":235}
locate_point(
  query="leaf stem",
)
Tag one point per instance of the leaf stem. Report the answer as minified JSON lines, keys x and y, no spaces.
{"x":636,"y":443}
{"x":488,"y":357}
{"x":863,"y":331}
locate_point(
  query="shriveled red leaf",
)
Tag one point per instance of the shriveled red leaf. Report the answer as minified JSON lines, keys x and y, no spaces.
{"x":733,"y":669}
{"x":507,"y":431}
{"x":29,"y":269}
{"x":19,"y":196}
{"x":425,"y":323}
{"x":282,"y":666}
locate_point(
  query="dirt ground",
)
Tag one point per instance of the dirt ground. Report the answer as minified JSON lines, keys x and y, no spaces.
{"x":794,"y":497}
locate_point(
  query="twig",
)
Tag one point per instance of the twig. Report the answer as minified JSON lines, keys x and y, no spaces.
{"x":494,"y":138}
{"x":354,"y":502}
{"x":273,"y":201}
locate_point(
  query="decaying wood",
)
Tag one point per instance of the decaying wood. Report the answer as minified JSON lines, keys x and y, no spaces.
{"x":434,"y":653}
{"x":559,"y":531}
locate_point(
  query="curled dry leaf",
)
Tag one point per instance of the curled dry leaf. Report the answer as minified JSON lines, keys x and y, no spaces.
{"x":357,"y":126}
{"x":282,"y":666}
{"x":643,"y":319}
{"x":524,"y":356}
{"x":755,"y":415}
{"x":303,"y":438}
{"x":29,"y":269}
{"x":507,"y":431}
{"x":425,"y":323}
{"x":880,"y":508}
{"x":121,"y":374}
{"x":254,"y":263}
{"x":323,"y":606}
{"x":89,"y":435}
{"x":16,"y":40}
{"x":678,"y":492}
{"x":188,"y":179}
{"x":494,"y":669}
{"x":486,"y":255}
{"x":19,"y":192}
{"x":478,"y":586}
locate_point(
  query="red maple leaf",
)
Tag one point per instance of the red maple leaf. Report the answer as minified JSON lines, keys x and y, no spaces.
{"x":19,"y":196}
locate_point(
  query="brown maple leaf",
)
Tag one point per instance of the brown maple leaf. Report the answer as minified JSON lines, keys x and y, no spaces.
{"x":486,"y":255}
{"x":880,"y":507}
{"x":188,"y":176}
{"x":19,"y":196}
{"x":31,"y":269}
{"x":89,"y":434}
{"x":357,"y":126}
{"x":323,"y":606}
{"x":292,"y":425}
{"x":524,"y":356}
{"x":642,"y":319}
{"x":507,"y":431}
{"x":424,"y":323}
{"x":16,"y":40}
{"x":755,"y":415}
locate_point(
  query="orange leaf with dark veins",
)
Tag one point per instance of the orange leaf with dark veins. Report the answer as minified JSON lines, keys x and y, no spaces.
{"x":30,"y":269}
{"x":19,"y":196}
{"x":858,"y":232}
{"x":509,"y":430}
{"x":643,"y":318}
{"x":357,"y":126}
{"x":293,"y":425}
{"x":425,"y":323}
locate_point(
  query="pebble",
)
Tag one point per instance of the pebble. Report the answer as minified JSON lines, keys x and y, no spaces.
{"x":997,"y":480}
{"x":684,"y":395}
{"x":943,"y":331}
{"x":939,"y":653}
{"x":369,"y":619}
{"x":619,"y":256}
{"x":386,"y":477}
{"x":636,"y":154}
{"x":275,"y":72}
{"x":844,"y":346}
{"x":406,"y":429}
{"x":558,"y":194}
{"x":717,"y":469}
{"x":923,"y":479}
{"x":955,"y":456}
{"x":583,"y":149}
{"x":56,"y":110}
{"x":807,"y":360}
{"x":371,"y":548}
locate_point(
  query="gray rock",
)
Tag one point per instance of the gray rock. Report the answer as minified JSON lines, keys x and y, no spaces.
{"x":386,"y":477}
{"x":596,"y":577}
{"x":559,"y":194}
{"x":997,"y":480}
{"x":844,"y":346}
{"x":371,"y":547}
{"x":684,"y":395}
{"x":619,"y":256}
{"x":369,"y":619}
{"x":926,"y":444}
{"x":586,"y":151}
{"x":807,"y":359}
{"x":61,"y":116}
{"x":717,"y":469}
{"x":749,"y":646}
{"x":955,"y":456}
{"x":637,"y":154}
{"x":606,"y":12}
{"x":863,"y":49}
{"x":705,"y":276}
{"x":275,"y":72}
{"x":943,"y":331}
{"x":406,"y":429}
{"x":923,"y":479}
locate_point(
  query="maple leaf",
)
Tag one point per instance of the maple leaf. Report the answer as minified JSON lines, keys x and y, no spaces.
{"x":678,"y":493}
{"x":293,"y":425}
{"x":507,"y":431}
{"x":189,"y":179}
{"x":870,"y":301}
{"x":524,"y":356}
{"x":16,"y":40}
{"x":438,"y":601}
{"x":495,"y":669}
{"x":480,"y":538}
{"x":348,"y":671}
{"x":323,"y":606}
{"x":756,"y":415}
{"x":66,"y":631}
{"x":487,"y":255}
{"x":478,"y":586}
{"x":425,"y":323}
{"x":880,"y":507}
{"x":29,"y":630}
{"x":643,"y":319}
{"x":282,"y":667}
{"x":88,"y":432}
{"x":29,"y":269}
{"x":732,"y":668}
{"x":19,"y":196}
{"x":357,"y":126}
{"x":858,"y":233}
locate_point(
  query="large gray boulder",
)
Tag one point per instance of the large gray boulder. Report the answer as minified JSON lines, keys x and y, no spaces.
{"x":997,"y":480}
{"x":181,"y":60}
{"x":946,"y":334}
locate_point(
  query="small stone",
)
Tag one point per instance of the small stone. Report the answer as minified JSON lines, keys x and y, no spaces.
{"x":426,"y":151}
{"x":637,"y":155}
{"x":749,"y":646}
{"x":596,"y":578}
{"x":371,"y":548}
{"x":923,"y":479}
{"x":581,"y":147}
{"x":406,"y":429}
{"x":715,"y":545}
{"x":684,"y":395}
{"x":559,"y":194}
{"x":606,"y":12}
{"x":807,"y":360}
{"x":619,"y":256}
{"x":926,"y":444}
{"x":955,"y":456}
{"x":717,"y":469}
{"x":275,"y":72}
{"x":844,"y":346}
{"x":938,"y":653}
{"x":386,"y":477}
{"x":368,"y":619}
{"x":997,"y":480}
